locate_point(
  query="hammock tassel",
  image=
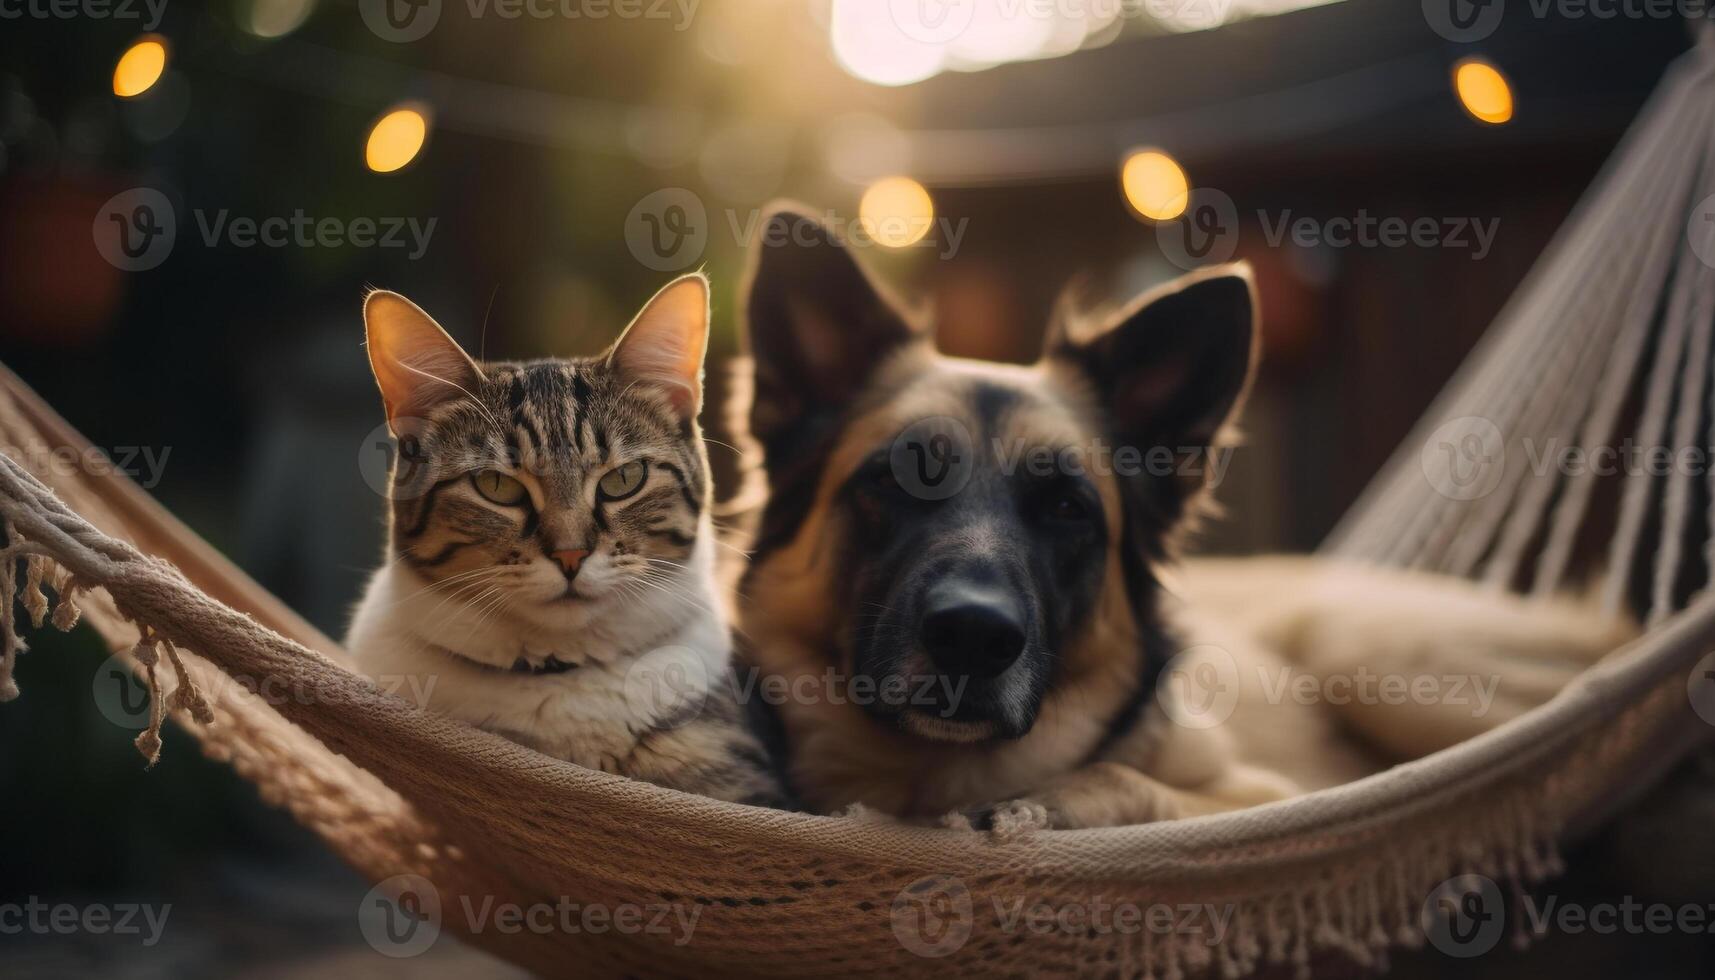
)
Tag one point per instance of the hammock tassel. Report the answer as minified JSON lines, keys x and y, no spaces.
{"x":149,"y":741}
{"x":66,"y":612}
{"x":35,"y":600}
{"x":187,"y":696}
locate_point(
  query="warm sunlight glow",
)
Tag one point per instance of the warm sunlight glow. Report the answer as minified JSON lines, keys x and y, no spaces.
{"x":140,"y":67}
{"x":275,"y":18}
{"x":896,"y":211}
{"x":869,"y":43}
{"x":395,"y":140}
{"x":1155,"y":185}
{"x":1483,"y":91}
{"x":898,"y":42}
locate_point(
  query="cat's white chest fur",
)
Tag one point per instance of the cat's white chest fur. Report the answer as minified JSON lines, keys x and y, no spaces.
{"x":634,"y":671}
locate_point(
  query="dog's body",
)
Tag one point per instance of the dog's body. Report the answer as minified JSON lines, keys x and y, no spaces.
{"x":1034,"y":594}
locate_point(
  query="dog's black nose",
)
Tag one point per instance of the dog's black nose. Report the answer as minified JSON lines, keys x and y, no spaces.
{"x":972,"y":631}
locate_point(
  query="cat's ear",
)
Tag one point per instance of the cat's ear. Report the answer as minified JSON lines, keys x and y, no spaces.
{"x":416,"y":364}
{"x":817,"y":325}
{"x":664,"y":346}
{"x":1172,"y":367}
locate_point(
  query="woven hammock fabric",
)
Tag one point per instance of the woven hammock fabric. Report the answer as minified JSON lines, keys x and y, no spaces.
{"x":1341,"y":873}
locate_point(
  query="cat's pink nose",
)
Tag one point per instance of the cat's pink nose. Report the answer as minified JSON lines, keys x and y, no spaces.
{"x":570,"y":559}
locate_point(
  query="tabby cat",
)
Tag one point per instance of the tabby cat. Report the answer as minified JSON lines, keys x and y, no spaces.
{"x":551,"y":575}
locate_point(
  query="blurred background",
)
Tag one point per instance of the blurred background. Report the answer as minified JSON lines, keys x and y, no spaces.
{"x":194,"y":197}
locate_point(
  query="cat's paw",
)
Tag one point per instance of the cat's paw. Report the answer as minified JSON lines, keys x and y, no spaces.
{"x":1011,"y":819}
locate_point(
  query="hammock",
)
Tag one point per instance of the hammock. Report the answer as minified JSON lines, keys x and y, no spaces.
{"x":1613,"y":329}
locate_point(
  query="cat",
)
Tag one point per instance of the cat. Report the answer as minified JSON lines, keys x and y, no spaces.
{"x":551,"y":574}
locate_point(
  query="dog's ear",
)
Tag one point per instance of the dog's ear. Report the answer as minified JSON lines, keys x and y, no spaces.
{"x":817,"y":325}
{"x":1172,"y":367}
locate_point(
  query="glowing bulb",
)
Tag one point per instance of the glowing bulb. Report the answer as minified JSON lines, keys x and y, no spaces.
{"x":395,"y":140}
{"x":1155,"y":185}
{"x":140,"y":67}
{"x":1483,"y":91}
{"x":896,"y":211}
{"x":871,"y":44}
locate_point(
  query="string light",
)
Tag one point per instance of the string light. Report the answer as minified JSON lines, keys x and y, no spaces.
{"x":1483,"y":91}
{"x":140,"y":67}
{"x":896,"y":211}
{"x":396,"y":139}
{"x":1155,"y":185}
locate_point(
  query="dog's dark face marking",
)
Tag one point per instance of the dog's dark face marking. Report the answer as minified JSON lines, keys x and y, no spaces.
{"x":981,"y":604}
{"x":980,"y":589}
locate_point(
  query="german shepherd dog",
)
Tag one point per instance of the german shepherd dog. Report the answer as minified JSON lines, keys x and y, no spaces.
{"x":963,"y":571}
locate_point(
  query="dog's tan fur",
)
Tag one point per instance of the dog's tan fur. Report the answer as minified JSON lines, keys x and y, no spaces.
{"x":1270,"y":619}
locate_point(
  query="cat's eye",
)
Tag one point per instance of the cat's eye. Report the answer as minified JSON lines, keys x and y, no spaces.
{"x":622,"y":481}
{"x":499,"y":488}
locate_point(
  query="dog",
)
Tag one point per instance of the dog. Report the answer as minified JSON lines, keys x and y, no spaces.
{"x":976,"y":606}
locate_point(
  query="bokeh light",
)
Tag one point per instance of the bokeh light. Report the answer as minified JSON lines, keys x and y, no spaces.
{"x":273,"y":18}
{"x":1483,"y":91}
{"x":1155,"y":185}
{"x":140,"y":67}
{"x":870,"y":44}
{"x":396,"y":139}
{"x":896,"y":212}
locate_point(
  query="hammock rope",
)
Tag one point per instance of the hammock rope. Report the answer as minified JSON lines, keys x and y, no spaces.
{"x":415,"y":801}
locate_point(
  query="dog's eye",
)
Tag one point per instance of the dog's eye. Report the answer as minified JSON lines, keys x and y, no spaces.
{"x":1067,"y":507}
{"x":499,"y":488}
{"x":622,"y":481}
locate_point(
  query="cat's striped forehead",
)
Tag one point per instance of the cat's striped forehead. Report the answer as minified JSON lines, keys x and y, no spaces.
{"x":553,"y":415}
